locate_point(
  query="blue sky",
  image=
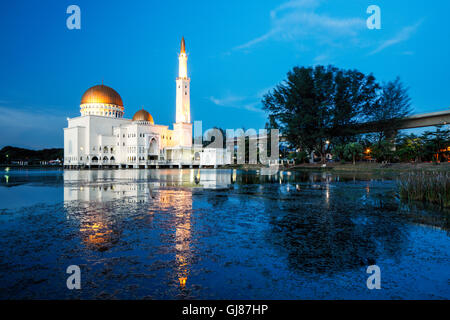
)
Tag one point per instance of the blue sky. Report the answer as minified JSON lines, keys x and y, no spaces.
{"x":237,"y":51}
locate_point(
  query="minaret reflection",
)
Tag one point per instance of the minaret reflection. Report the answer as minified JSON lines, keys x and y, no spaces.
{"x":179,"y":204}
{"x":183,"y":235}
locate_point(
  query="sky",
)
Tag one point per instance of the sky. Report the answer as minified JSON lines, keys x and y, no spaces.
{"x":237,"y":51}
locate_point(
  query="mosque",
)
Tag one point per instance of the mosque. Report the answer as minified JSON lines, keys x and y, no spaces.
{"x":102,"y":137}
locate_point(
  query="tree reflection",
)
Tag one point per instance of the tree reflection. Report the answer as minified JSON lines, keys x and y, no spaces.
{"x":321,"y":230}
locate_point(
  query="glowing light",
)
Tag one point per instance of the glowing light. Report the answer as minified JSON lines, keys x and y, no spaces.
{"x":182,"y":67}
{"x":183,"y":281}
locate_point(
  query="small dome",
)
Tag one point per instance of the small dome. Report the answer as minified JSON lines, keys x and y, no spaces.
{"x":102,"y":94}
{"x":143,"y":115}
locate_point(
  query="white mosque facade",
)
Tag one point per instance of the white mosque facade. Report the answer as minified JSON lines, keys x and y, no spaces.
{"x":102,"y":137}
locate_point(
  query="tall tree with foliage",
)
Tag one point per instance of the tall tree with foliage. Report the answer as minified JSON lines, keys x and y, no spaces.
{"x":353,"y":150}
{"x":317,"y":104}
{"x":392,"y":105}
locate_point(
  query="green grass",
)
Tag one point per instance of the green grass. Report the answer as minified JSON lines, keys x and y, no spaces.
{"x":426,"y":186}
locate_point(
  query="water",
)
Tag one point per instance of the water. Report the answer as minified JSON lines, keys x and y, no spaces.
{"x":216,"y":234}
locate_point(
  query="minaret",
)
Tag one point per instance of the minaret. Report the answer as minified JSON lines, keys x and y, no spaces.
{"x":183,"y":88}
{"x":183,"y":125}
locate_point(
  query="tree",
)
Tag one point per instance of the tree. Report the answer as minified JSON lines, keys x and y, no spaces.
{"x":8,"y":154}
{"x":437,"y":144}
{"x":338,"y":151}
{"x":353,"y":150}
{"x":317,"y":104}
{"x":354,"y":96}
{"x":392,"y":105}
{"x":298,"y":156}
{"x":410,"y":147}
{"x":383,"y":151}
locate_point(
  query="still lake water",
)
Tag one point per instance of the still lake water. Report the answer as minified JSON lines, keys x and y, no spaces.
{"x":216,"y":234}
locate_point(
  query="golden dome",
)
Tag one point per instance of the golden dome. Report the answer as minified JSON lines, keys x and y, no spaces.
{"x":102,"y":94}
{"x":143,"y":115}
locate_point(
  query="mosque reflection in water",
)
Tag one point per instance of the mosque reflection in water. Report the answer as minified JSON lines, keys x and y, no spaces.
{"x":100,"y":195}
{"x":208,"y":234}
{"x":190,"y":221}
{"x":99,"y":192}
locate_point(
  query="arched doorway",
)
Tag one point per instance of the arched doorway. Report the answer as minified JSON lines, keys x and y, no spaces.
{"x":153,"y":150}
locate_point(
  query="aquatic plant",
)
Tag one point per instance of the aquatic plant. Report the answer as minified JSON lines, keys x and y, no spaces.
{"x":433,"y":187}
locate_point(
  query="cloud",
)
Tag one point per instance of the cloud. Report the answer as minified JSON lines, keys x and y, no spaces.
{"x":403,"y":35}
{"x":226,"y":101}
{"x":249,"y":103}
{"x":298,"y":19}
{"x":322,"y":58}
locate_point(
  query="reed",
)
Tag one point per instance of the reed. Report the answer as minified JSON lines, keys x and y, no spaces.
{"x":426,"y":186}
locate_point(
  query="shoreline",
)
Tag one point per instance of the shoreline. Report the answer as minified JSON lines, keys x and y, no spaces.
{"x":364,"y":167}
{"x":360,"y":167}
